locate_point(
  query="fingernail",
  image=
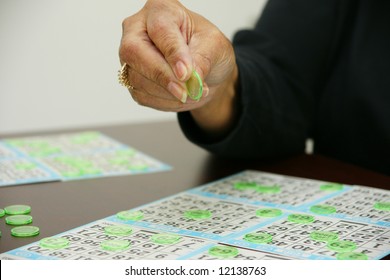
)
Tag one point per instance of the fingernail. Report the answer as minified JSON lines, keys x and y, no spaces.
{"x":181,"y":71}
{"x":177,"y":91}
{"x":206,"y":90}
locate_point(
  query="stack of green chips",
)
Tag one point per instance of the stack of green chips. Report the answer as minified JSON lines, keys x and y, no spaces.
{"x":17,"y":216}
{"x":2,"y":213}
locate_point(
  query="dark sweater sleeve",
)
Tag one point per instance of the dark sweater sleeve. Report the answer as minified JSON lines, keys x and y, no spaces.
{"x":282,"y":64}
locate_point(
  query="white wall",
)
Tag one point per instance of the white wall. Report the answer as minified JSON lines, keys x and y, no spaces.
{"x":59,"y":62}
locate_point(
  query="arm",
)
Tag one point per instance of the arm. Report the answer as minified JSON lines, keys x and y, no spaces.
{"x":283,"y":65}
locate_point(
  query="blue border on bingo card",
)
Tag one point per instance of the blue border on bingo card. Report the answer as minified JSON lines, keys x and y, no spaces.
{"x":13,"y":153}
{"x":148,"y":170}
{"x":22,"y":251}
{"x":199,"y":191}
{"x":276,"y":250}
{"x":51,"y":175}
{"x":17,"y":153}
{"x":170,"y":229}
{"x":346,"y":188}
{"x":19,"y":252}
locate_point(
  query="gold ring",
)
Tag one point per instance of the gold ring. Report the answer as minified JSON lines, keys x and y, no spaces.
{"x":122,"y":77}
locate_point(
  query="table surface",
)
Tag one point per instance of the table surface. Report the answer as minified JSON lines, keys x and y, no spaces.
{"x":61,"y":206}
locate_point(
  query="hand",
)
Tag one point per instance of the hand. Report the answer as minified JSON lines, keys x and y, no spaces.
{"x":162,"y":44}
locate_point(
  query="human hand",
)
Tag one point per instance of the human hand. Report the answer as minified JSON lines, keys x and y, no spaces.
{"x":162,"y":44}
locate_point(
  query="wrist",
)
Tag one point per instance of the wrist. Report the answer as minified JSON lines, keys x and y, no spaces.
{"x":219,"y":115}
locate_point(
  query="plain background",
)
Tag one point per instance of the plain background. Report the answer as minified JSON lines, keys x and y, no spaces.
{"x":59,"y":60}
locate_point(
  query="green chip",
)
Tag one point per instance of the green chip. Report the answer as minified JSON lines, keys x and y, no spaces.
{"x":342,"y":246}
{"x":130,"y":215}
{"x":323,"y":209}
{"x":258,"y":238}
{"x":300,"y":218}
{"x":165,"y":238}
{"x":223,"y":252}
{"x":138,"y":167}
{"x":25,"y":231}
{"x":268,"y":189}
{"x":331,"y":187}
{"x":351,"y":256}
{"x":17,"y":209}
{"x":2,"y":212}
{"x":197,"y":214}
{"x":71,"y":174}
{"x":85,"y":137}
{"x":326,"y":236}
{"x":54,"y":242}
{"x":18,"y":220}
{"x":245,"y":186}
{"x":118,"y":230}
{"x":268,"y":212}
{"x":115,"y":245}
{"x":194,"y":86}
{"x":382,"y":206}
{"x":25,"y":166}
{"x":126,"y":153}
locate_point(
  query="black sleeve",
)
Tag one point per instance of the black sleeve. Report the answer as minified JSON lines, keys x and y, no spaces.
{"x":282,"y":63}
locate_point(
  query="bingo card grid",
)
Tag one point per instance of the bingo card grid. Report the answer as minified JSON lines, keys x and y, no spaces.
{"x":231,"y":219}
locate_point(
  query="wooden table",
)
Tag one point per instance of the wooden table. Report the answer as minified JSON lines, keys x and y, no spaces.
{"x":61,"y":206}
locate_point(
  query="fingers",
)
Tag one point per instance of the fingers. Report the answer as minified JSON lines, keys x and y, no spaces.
{"x":162,"y":44}
{"x":140,"y":53}
{"x":171,"y":38}
{"x":149,"y":93}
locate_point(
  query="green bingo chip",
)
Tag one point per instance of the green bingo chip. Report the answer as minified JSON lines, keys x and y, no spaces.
{"x":18,"y":220}
{"x":138,"y":167}
{"x":351,"y":256}
{"x":25,"y":231}
{"x":300,"y":218}
{"x":85,"y":137}
{"x":130,"y":215}
{"x":118,"y":230}
{"x":268,"y":212}
{"x":197,"y":214}
{"x":194,"y":86}
{"x":268,"y":189}
{"x":223,"y":252}
{"x":17,"y":209}
{"x":342,"y":246}
{"x":326,"y":236}
{"x":331,"y":187}
{"x":25,"y":166}
{"x":54,"y":242}
{"x":382,"y":206}
{"x":165,"y":238}
{"x":115,"y":245}
{"x":258,"y":238}
{"x":2,"y":213}
{"x":323,"y":209}
{"x":241,"y":186}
